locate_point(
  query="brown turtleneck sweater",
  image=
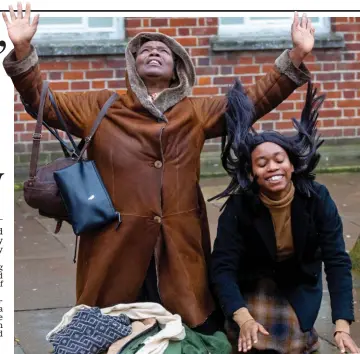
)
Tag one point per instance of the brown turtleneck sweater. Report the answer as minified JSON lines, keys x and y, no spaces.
{"x":280,"y":210}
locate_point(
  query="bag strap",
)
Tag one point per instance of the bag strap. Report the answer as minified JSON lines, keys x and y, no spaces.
{"x":98,"y":120}
{"x":61,"y":120}
{"x":37,"y":134}
{"x":68,"y":151}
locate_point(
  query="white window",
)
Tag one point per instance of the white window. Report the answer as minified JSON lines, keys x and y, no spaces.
{"x":265,"y":26}
{"x":80,"y":28}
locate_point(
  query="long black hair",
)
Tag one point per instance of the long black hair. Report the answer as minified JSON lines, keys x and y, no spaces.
{"x":242,"y":139}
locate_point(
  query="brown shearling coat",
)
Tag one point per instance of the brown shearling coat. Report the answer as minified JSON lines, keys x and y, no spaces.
{"x":150,"y":166}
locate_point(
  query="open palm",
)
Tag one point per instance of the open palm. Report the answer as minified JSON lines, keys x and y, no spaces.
{"x":20,"y":30}
{"x":302,"y":33}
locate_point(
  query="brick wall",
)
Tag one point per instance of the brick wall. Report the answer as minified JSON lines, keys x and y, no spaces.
{"x":335,"y":71}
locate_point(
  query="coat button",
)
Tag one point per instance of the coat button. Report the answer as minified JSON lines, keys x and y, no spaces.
{"x":158,"y":164}
{"x":157,"y":219}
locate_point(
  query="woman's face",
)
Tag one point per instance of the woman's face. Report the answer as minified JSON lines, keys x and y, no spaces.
{"x":154,"y":60}
{"x":271,"y":165}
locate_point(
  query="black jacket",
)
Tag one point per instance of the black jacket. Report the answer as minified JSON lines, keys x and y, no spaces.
{"x":245,"y":250}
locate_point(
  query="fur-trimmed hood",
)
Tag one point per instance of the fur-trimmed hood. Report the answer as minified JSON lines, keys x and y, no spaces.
{"x":184,"y":68}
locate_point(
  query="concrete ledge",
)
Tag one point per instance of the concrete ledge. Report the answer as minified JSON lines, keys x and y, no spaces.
{"x":271,"y":42}
{"x":80,"y":48}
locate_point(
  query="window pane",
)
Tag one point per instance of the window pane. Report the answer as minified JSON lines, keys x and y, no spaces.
{"x":103,"y":22}
{"x":60,"y":20}
{"x":231,"y":20}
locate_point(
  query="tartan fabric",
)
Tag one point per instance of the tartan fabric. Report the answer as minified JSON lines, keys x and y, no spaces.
{"x":271,"y":309}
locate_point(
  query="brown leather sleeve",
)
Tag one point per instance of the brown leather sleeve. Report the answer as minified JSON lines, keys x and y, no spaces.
{"x":79,"y":109}
{"x":267,"y":93}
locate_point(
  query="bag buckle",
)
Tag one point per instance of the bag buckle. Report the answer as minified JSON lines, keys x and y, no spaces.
{"x":37,"y":136}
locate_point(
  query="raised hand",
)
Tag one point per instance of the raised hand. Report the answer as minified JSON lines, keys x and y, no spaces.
{"x":20,"y":30}
{"x":302,"y":34}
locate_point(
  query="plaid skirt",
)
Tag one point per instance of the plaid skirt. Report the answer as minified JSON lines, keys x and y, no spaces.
{"x":271,"y":309}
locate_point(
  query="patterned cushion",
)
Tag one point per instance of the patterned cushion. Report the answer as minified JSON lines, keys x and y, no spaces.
{"x":90,"y":332}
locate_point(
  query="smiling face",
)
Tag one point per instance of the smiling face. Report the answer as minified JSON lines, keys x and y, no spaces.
{"x":271,"y":165}
{"x":154,"y":61}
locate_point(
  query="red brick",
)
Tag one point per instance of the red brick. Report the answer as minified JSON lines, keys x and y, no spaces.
{"x":350,"y":132}
{"x":332,"y":94}
{"x":329,"y":104}
{"x":80,"y":85}
{"x":183,"y":22}
{"x":328,"y":77}
{"x":349,"y":37}
{"x":222,"y":60}
{"x":201,"y":22}
{"x":204,"y":31}
{"x":327,"y":86}
{"x":201,"y":91}
{"x":207,"y":70}
{"x":54,"y":75}
{"x":353,"y":46}
{"x":267,"y":126}
{"x":80,"y":65}
{"x":98,"y":64}
{"x":349,"y":103}
{"x":146,"y":22}
{"x":187,"y":41}
{"x":159,"y":22}
{"x":116,"y":84}
{"x":248,"y":69}
{"x":264,"y":59}
{"x":19,"y":127}
{"x":345,"y":122}
{"x":225,"y":80}
{"x":53,"y":65}
{"x":204,"y":80}
{"x":16,"y":138}
{"x":204,"y":41}
{"x":116,"y":63}
{"x":183,"y":31}
{"x":168,"y":31}
{"x":100,"y":74}
{"x":314,"y":67}
{"x":132,"y":22}
{"x":348,"y":28}
{"x":349,"y":94}
{"x":132,"y":32}
{"x":73,"y":75}
{"x":330,"y":113}
{"x":331,"y":132}
{"x":199,"y":52}
{"x":349,"y":113}
{"x":348,"y":76}
{"x":59,"y":86}
{"x":289,"y":115}
{"x":328,"y":66}
{"x":286,"y":106}
{"x":245,"y":60}
{"x":97,"y":84}
{"x":212,"y":21}
{"x":284,"y":125}
{"x":271,"y":116}
{"x":18,"y":107}
{"x":328,"y":122}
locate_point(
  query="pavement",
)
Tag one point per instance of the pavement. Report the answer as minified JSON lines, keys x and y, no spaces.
{"x":45,"y":273}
